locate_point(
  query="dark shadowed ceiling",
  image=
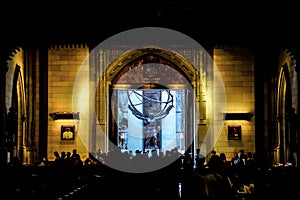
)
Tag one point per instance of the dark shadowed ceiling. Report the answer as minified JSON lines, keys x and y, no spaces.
{"x":208,"y":23}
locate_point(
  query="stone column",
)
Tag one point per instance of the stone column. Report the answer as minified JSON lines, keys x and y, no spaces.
{"x":43,"y":98}
{"x":3,"y":71}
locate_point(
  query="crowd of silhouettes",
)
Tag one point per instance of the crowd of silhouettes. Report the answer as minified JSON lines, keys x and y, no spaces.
{"x":178,"y":176}
{"x":186,"y":176}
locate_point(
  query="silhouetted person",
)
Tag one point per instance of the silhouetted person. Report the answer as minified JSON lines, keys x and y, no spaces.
{"x":217,"y":183}
{"x":76,"y":158}
{"x":11,"y":127}
{"x":190,"y":181}
{"x":242,"y":159}
{"x":217,"y":187}
{"x":234,"y":159}
{"x":199,"y":162}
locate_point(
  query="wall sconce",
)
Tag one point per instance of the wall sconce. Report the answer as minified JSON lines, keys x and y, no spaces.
{"x":64,"y":115}
{"x":238,"y":116}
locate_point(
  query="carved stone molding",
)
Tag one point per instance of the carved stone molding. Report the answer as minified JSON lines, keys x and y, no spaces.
{"x":294,"y":53}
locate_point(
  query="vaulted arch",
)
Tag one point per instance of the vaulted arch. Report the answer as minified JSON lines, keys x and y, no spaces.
{"x":149,"y":72}
{"x":284,"y":136}
{"x":136,"y":57}
{"x":16,"y":134}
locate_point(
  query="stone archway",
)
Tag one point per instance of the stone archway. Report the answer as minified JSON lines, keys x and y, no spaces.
{"x":110,"y":60}
{"x":16,"y":134}
{"x":142,"y":68}
{"x":284,"y":136}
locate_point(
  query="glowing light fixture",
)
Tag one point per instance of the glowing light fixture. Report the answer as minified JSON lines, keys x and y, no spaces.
{"x":64,"y":115}
{"x":238,"y":116}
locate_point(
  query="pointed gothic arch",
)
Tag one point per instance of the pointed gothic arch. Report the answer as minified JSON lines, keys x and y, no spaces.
{"x":129,"y":57}
{"x":17,"y":134}
{"x":181,"y":74}
{"x":284,"y":136}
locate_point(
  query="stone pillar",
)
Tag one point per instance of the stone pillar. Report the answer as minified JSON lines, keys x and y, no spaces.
{"x":296,"y":58}
{"x":265,"y":59}
{"x":3,"y":151}
{"x":43,"y":98}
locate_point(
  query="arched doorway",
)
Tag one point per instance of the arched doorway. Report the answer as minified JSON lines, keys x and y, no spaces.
{"x":285,"y":136}
{"x":151,"y":101}
{"x":15,"y":126}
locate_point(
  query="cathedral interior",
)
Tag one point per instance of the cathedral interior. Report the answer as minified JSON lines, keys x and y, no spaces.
{"x":170,"y":77}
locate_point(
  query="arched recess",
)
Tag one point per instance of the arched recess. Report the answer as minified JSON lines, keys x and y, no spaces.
{"x":137,"y":69}
{"x":285,"y":135}
{"x":18,"y":106}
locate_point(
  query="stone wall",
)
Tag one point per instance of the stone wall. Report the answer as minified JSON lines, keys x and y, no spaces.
{"x":236,"y":66}
{"x":64,"y":64}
